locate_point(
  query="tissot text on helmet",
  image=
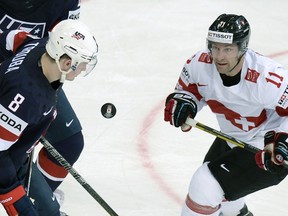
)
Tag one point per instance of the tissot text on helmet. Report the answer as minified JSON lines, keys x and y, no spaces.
{"x":220,"y":37}
{"x":230,"y":24}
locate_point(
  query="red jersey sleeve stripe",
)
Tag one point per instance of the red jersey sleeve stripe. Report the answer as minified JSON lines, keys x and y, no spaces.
{"x":19,"y":38}
{"x":190,"y":88}
{"x":8,"y":135}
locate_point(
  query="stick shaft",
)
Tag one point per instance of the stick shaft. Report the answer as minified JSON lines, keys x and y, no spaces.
{"x":221,"y":135}
{"x":29,"y":172}
{"x":225,"y":137}
{"x":77,"y":176}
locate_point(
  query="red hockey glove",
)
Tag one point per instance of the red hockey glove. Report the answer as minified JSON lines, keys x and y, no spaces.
{"x":275,"y":151}
{"x":16,"y":202}
{"x":178,"y":107}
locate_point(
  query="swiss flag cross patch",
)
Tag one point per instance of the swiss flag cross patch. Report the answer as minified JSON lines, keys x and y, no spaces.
{"x":206,"y":58}
{"x":252,"y":75}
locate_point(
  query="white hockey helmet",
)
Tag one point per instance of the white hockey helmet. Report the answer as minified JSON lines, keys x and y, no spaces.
{"x":73,"y":38}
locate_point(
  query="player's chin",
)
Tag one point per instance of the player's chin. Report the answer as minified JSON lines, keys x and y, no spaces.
{"x":70,"y":78}
{"x":222,"y":70}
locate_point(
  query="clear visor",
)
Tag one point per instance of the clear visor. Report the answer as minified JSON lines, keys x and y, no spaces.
{"x":85,"y":68}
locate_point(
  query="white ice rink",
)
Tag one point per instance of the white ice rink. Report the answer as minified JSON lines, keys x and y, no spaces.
{"x":139,"y":164}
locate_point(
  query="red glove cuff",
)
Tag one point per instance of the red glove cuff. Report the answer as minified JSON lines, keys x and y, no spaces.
{"x":259,"y":158}
{"x":8,"y":199}
{"x":169,"y":110}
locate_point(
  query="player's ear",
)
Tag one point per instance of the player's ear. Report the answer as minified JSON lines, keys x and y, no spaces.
{"x":65,"y":63}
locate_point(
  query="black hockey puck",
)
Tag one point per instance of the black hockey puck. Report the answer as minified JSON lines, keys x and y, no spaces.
{"x":108,"y":110}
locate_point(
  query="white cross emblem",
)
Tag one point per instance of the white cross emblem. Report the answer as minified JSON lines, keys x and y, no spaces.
{"x":245,"y":124}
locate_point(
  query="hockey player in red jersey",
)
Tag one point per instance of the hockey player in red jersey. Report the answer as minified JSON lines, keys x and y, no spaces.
{"x":30,"y":81}
{"x":248,"y":94}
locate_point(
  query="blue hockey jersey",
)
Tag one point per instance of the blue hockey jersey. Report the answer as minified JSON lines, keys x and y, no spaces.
{"x":27,"y":99}
{"x":27,"y":104}
{"x":47,"y":14}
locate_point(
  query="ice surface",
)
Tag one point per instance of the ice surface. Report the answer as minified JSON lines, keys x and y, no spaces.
{"x":139,"y":164}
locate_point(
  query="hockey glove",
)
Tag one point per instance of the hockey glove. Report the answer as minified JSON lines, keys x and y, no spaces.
{"x":178,"y":107}
{"x":16,"y":202}
{"x":275,"y":151}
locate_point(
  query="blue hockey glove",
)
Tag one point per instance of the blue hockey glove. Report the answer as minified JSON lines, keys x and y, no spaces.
{"x":275,"y":151}
{"x":178,"y":107}
{"x":16,"y":202}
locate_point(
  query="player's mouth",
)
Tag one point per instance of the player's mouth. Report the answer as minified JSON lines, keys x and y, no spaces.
{"x":221,"y":67}
{"x":221,"y":64}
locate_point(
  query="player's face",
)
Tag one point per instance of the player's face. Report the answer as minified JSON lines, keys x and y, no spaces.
{"x":225,"y":57}
{"x":73,"y":74}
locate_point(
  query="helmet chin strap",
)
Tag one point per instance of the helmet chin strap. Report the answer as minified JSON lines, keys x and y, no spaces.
{"x":239,"y":59}
{"x":63,"y":73}
{"x":63,"y":77}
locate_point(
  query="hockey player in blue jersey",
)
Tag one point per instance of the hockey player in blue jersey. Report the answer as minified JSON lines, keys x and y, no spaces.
{"x":29,"y":83}
{"x":38,"y":17}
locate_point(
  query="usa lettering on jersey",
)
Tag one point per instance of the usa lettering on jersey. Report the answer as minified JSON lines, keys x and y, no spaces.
{"x":9,"y":23}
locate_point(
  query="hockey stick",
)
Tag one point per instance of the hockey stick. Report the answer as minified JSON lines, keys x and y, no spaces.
{"x":76,"y":175}
{"x":29,"y":171}
{"x":226,"y":137}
